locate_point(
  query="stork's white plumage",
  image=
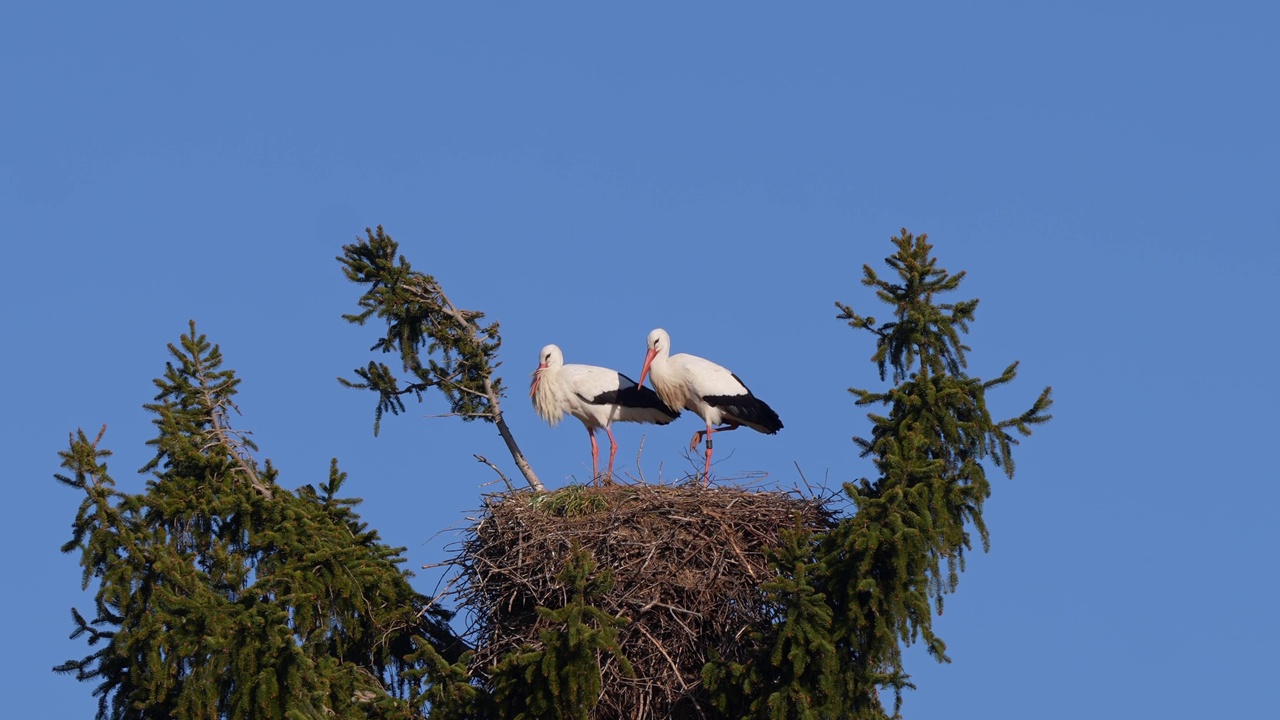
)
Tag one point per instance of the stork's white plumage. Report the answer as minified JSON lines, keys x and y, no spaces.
{"x":711,"y":391}
{"x":597,"y":396}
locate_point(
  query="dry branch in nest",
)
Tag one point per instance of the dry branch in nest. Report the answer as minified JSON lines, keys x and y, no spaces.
{"x":687,"y":564}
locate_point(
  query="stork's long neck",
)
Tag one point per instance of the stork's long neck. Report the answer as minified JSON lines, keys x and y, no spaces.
{"x":671,"y":389}
{"x":545,"y":400}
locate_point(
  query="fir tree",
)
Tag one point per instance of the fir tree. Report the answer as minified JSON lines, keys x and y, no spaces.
{"x":849,"y":600}
{"x":221,"y":594}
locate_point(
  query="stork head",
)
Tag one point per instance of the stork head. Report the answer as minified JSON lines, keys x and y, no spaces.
{"x":549,"y":357}
{"x":659,"y":344}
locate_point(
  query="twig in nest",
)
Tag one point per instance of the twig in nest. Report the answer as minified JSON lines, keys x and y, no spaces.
{"x":482,"y":459}
{"x":803,"y":479}
{"x":674,"y":668}
{"x":639,"y":452}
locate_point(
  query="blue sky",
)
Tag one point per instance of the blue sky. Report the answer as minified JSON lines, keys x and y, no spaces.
{"x":584,"y":173}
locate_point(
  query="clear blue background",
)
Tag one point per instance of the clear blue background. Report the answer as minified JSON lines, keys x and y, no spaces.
{"x":582,"y":173}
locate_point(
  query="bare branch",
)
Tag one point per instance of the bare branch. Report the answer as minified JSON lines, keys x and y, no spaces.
{"x":231,"y":439}
{"x":496,"y":407}
{"x":484,"y":460}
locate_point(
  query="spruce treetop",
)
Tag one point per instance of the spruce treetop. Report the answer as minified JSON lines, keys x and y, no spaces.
{"x":220,"y":594}
{"x":849,"y":600}
{"x":928,"y":448}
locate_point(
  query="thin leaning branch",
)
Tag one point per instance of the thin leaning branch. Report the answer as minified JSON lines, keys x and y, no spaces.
{"x":419,"y":315}
{"x":464,"y":320}
{"x":227,"y":437}
{"x":485,"y":461}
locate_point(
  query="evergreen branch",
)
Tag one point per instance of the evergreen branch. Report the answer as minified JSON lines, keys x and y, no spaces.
{"x":491,"y":392}
{"x":561,"y":678}
{"x":419,"y":315}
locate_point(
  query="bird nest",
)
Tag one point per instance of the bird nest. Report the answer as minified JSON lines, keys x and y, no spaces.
{"x":686,"y":562}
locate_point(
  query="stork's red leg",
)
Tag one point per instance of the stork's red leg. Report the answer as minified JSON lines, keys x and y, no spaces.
{"x":595,"y":456}
{"x":706,"y":472}
{"x":613,"y":450}
{"x":697,"y":438}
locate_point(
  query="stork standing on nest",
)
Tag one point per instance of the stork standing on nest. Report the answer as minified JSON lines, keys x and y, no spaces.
{"x":711,"y":391}
{"x":597,"y":396}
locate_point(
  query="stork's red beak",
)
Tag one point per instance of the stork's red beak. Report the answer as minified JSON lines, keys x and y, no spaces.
{"x":537,"y":375}
{"x":648,"y":358}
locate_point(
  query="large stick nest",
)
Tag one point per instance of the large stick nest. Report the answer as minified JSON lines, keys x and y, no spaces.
{"x":687,"y":564}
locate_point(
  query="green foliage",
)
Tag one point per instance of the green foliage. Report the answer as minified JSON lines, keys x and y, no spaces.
{"x":570,"y":501}
{"x":419,"y":315}
{"x":560,"y":680}
{"x":461,"y":356}
{"x":794,"y":675}
{"x":849,"y":600}
{"x":221,"y":594}
{"x":448,"y":690}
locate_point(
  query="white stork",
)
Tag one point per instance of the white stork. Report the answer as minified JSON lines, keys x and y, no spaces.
{"x":711,"y":391}
{"x":597,"y":396}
